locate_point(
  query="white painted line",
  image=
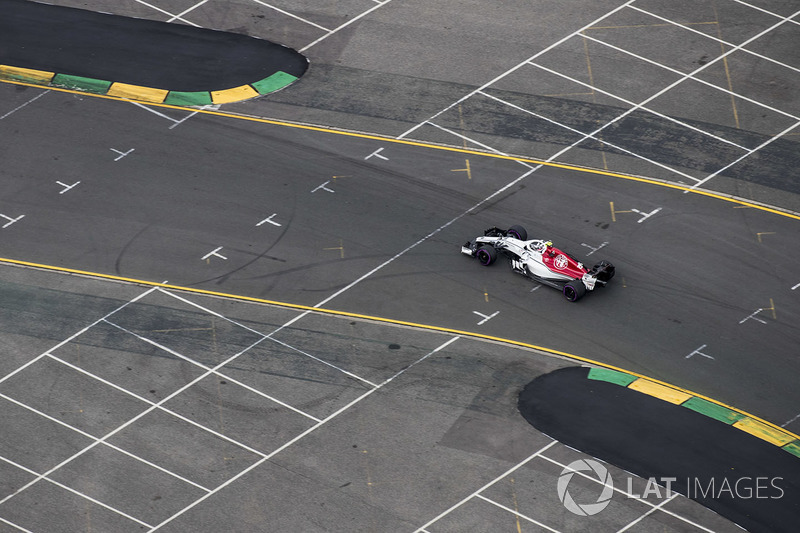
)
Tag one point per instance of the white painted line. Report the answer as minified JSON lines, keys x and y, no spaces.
{"x":748,"y":154}
{"x":648,"y":513}
{"x":765,"y":11}
{"x":592,"y":248}
{"x":439,"y":348}
{"x":323,"y":187}
{"x":15,"y":526}
{"x":377,"y":153}
{"x":81,"y":332}
{"x":517,"y":67}
{"x":121,"y":427}
{"x":174,"y":17}
{"x":690,"y":76}
{"x":495,"y":480}
{"x":210,"y":311}
{"x":343,"y":371}
{"x":486,"y":318}
{"x":89,"y":498}
{"x":23,"y":105}
{"x":232,"y":380}
{"x":193,"y":113}
{"x":643,"y":108}
{"x":269,"y":220}
{"x":698,"y":352}
{"x":709,"y":36}
{"x":517,"y":513}
{"x":682,"y":78}
{"x":753,"y":317}
{"x":121,"y":154}
{"x":112,"y":446}
{"x":92,"y":437}
{"x":645,"y":216}
{"x":796,"y":286}
{"x":66,"y":187}
{"x":473,"y":141}
{"x":212,"y":371}
{"x":155,"y":112}
{"x":790,"y":421}
{"x":592,"y":136}
{"x":303,"y":434}
{"x":292,"y":16}
{"x":182,"y":13}
{"x":425,"y":238}
{"x":45,"y":476}
{"x":175,"y":122}
{"x":10,"y":220}
{"x":341,"y":27}
{"x":215,"y":253}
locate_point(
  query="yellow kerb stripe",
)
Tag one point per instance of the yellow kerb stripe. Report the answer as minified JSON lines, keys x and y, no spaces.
{"x":136,"y":92}
{"x":659,"y":391}
{"x":233,"y":95}
{"x":27,"y":74}
{"x":765,"y":432}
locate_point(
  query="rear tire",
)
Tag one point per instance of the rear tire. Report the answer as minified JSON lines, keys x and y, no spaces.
{"x":486,"y":255}
{"x":518,"y":232}
{"x":574,"y":290}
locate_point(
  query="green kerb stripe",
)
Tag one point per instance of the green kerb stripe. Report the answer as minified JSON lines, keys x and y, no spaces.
{"x":82,"y":84}
{"x":279,"y":80}
{"x":612,"y":376}
{"x":188,"y":98}
{"x":793,"y":448}
{"x":713,"y":410}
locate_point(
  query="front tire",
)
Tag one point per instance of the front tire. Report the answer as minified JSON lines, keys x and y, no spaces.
{"x":486,"y":255}
{"x":574,"y":290}
{"x":518,"y":232}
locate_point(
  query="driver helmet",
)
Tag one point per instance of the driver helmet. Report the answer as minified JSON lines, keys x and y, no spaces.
{"x":539,"y":246}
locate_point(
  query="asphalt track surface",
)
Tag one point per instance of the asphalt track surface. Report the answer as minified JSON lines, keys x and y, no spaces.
{"x":131,"y":231}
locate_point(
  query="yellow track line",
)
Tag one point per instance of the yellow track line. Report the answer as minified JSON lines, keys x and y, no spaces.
{"x":440,"y":329}
{"x":639,"y":179}
{"x":375,"y":137}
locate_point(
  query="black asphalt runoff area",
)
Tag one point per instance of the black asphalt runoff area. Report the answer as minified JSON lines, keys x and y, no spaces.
{"x":142,"y":52}
{"x":652,"y":438}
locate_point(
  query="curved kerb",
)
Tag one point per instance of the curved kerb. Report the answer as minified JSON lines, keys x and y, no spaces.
{"x":270,"y":84}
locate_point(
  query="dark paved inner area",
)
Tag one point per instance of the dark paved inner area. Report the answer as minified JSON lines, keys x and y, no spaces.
{"x":142,"y":52}
{"x":655,"y":439}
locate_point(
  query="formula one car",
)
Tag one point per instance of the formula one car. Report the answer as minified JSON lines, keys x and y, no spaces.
{"x":539,"y":261}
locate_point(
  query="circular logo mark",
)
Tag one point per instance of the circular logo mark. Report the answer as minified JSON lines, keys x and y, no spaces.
{"x":561,"y":262}
{"x":585,"y":509}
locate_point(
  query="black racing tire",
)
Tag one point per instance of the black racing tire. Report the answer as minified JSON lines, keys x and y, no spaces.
{"x":518,"y":232}
{"x":486,"y":255}
{"x":574,"y":290}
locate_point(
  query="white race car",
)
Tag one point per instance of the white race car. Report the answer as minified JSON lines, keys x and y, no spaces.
{"x":540,"y":261}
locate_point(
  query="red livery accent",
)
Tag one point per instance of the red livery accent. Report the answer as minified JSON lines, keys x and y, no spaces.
{"x":538,"y":260}
{"x":560,"y":262}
